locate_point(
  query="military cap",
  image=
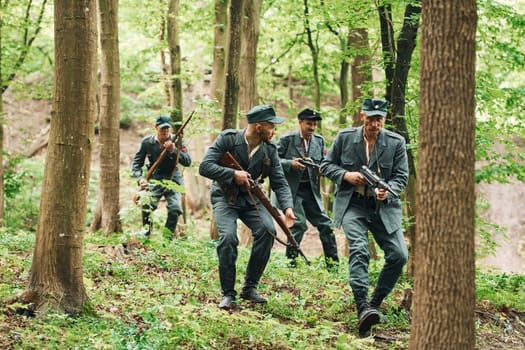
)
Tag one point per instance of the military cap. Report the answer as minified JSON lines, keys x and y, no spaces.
{"x":163,"y":121}
{"x":263,"y":113}
{"x":309,"y":114}
{"x":374,"y":107}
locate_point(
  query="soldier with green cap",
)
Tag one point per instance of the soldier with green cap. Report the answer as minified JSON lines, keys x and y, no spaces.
{"x":149,"y":151}
{"x":358,"y":208}
{"x":254,"y":151}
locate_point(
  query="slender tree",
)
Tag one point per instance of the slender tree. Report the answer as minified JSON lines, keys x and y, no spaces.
{"x":56,"y":279}
{"x":219,"y":51}
{"x":106,"y":216}
{"x":175,"y":61}
{"x":397,"y":62}
{"x":233,"y":60}
{"x":444,"y":298}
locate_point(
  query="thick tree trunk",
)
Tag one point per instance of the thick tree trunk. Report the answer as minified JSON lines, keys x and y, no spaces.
{"x":444,"y":290}
{"x":2,"y":195}
{"x":107,"y":210}
{"x":56,"y":279}
{"x":233,"y":60}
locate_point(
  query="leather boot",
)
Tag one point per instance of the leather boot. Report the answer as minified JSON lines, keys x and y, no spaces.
{"x":367,"y":316}
{"x":146,"y":224}
{"x":252,"y":295}
{"x":171,"y":224}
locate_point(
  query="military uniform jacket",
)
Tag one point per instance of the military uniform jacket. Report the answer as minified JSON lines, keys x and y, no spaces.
{"x":224,"y":187}
{"x":151,"y":149}
{"x":291,"y":146}
{"x":348,"y":154}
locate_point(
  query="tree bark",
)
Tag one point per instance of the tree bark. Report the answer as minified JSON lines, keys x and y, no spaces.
{"x":2,"y":194}
{"x":233,"y":60}
{"x":396,"y":71}
{"x":444,"y":289}
{"x":175,"y":62}
{"x":56,"y":280}
{"x":219,"y":52}
{"x":106,"y":215}
{"x":314,"y":51}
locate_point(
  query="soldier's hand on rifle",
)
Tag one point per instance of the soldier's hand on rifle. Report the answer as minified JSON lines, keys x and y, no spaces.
{"x":289,"y":217}
{"x":355,"y":178}
{"x":169,"y":145}
{"x":242,"y":178}
{"x":381,"y":194}
{"x":297,"y":165}
{"x":143,"y":184}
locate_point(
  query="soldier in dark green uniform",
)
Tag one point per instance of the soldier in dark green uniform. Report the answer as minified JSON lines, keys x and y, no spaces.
{"x":359,"y":208}
{"x":304,"y":181}
{"x":254,"y":151}
{"x":150,"y":148}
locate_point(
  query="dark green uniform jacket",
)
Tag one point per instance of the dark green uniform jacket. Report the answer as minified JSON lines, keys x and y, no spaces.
{"x":224,"y":187}
{"x":348,"y":154}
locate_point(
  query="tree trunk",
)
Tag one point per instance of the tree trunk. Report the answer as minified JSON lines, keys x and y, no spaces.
{"x":314,"y":51}
{"x":361,"y":74}
{"x":107,"y":211}
{"x":444,"y":290}
{"x":233,"y":60}
{"x":218,"y":76}
{"x":56,"y":281}
{"x":248,"y":78}
{"x":219,"y":52}
{"x":175,"y":59}
{"x":396,"y":71}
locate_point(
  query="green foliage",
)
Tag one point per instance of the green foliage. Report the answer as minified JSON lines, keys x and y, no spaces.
{"x":22,"y":192}
{"x":501,"y":289}
{"x":160,"y":294}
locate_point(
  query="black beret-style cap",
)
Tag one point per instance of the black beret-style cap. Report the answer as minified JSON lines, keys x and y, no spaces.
{"x":307,"y":113}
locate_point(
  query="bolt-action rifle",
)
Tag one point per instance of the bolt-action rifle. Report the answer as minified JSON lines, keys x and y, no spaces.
{"x":375,"y":181}
{"x":229,"y":161}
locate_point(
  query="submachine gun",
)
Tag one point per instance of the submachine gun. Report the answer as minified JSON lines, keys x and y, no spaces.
{"x":308,"y":163}
{"x":229,"y":161}
{"x":375,"y":181}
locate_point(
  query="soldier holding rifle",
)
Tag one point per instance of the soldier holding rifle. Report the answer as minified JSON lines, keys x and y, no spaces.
{"x":164,"y":151}
{"x":359,"y":208}
{"x":232,"y":199}
{"x":301,"y":152}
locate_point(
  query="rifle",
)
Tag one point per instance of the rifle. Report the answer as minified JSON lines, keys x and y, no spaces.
{"x":229,"y":161}
{"x":309,"y":163}
{"x":375,"y":181}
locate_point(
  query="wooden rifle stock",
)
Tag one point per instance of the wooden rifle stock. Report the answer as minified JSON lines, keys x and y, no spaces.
{"x":229,"y":161}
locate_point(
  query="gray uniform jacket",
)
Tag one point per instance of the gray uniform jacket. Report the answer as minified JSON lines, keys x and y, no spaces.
{"x":290,"y":146}
{"x":151,"y":149}
{"x":224,"y":187}
{"x":348,"y":154}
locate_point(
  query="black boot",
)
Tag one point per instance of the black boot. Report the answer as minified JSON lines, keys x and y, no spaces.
{"x":171,"y":224}
{"x":332,"y":263}
{"x":146,"y":224}
{"x":292,"y":254}
{"x":367,"y":316}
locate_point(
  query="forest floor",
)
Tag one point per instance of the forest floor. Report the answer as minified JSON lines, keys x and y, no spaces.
{"x":27,"y":121}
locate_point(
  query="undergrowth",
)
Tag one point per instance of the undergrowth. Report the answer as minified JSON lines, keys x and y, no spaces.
{"x":161,"y":294}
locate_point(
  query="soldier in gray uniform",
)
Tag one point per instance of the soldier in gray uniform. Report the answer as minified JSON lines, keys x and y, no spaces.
{"x":150,"y":148}
{"x":257,"y":155}
{"x":359,"y":208}
{"x":304,"y":181}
